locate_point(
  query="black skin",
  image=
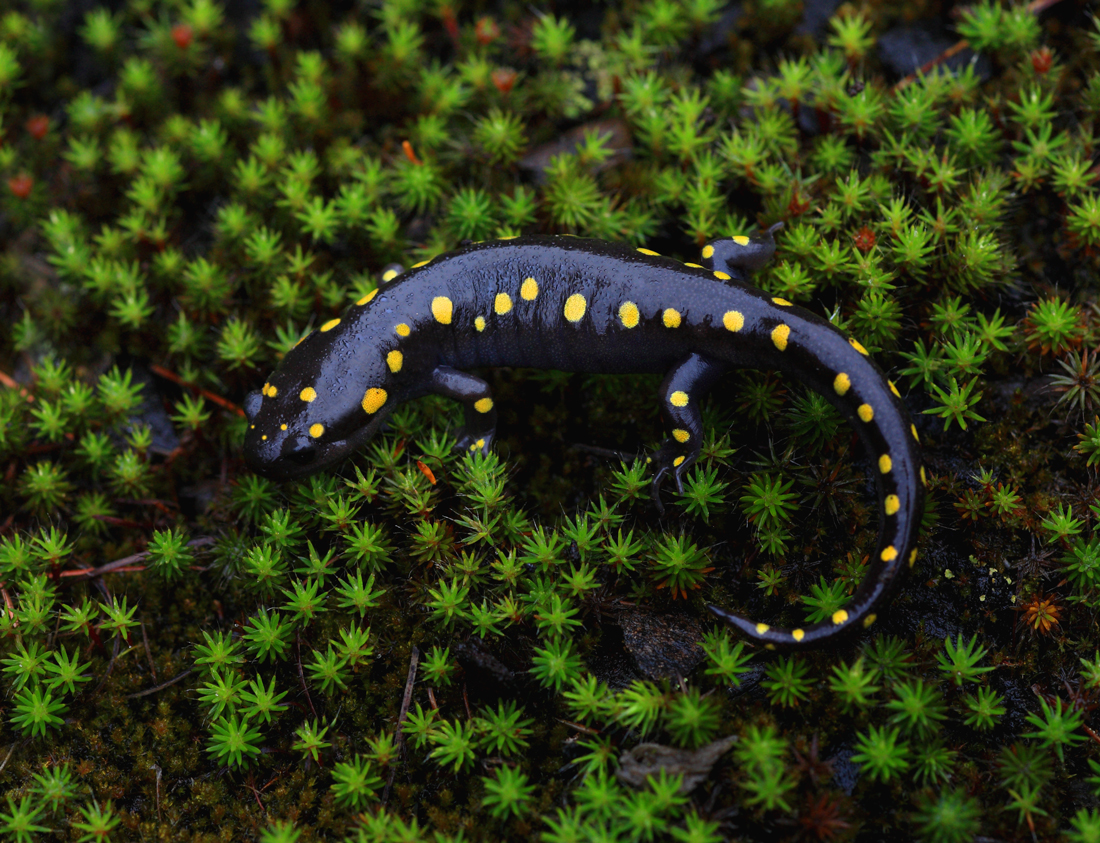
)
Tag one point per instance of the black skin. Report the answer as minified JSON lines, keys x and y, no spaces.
{"x":587,"y":306}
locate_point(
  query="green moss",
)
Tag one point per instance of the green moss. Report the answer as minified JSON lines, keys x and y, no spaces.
{"x":185,"y":189}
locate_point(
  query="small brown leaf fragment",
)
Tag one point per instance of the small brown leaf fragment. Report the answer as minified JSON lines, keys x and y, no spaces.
{"x":648,"y":759}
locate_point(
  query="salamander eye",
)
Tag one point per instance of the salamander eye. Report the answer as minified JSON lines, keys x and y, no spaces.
{"x":303,"y":456}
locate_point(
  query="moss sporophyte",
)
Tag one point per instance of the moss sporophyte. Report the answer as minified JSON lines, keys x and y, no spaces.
{"x":512,"y":641}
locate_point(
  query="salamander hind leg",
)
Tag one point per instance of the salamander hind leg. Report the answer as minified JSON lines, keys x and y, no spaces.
{"x":480,"y":425}
{"x":681,"y":391}
{"x":740,"y":255}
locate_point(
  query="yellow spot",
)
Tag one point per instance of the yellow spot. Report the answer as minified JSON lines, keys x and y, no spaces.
{"x":740,"y":240}
{"x":912,"y":557}
{"x":923,"y":477}
{"x":373,"y":399}
{"x":779,"y":336}
{"x":866,"y":412}
{"x":502,"y":304}
{"x":678,"y":462}
{"x":889,"y":554}
{"x":858,"y":347}
{"x":769,"y":646}
{"x":529,"y":289}
{"x":892,"y":504}
{"x":316,"y":430}
{"x":422,"y":263}
{"x":671,"y":318}
{"x":678,"y":399}
{"x":708,"y":251}
{"x":389,"y":274}
{"x":575,"y":306}
{"x":733,"y":320}
{"x":308,"y":394}
{"x":894,"y":389}
{"x":913,"y":429}
{"x":870,"y":619}
{"x":328,"y":326}
{"x":841,"y":384}
{"x":508,"y":237}
{"x":479,"y":323}
{"x":681,"y":435}
{"x":782,"y":302}
{"x":761,"y":628}
{"x":649,"y":252}
{"x":368,"y":298}
{"x":442,"y":310}
{"x":394,"y":360}
{"x":282,"y":427}
{"x":403,"y":330}
{"x":483,"y":405}
{"x":263,"y":391}
{"x":473,"y":447}
{"x":840,"y":616}
{"x":628,"y":314}
{"x":722,"y":276}
{"x":885,"y":464}
{"x":694,"y":265}
{"x":480,"y":443}
{"x":797,"y":634}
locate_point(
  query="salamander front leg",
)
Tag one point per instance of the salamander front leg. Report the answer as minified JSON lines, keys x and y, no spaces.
{"x":688,"y":382}
{"x":480,"y":424}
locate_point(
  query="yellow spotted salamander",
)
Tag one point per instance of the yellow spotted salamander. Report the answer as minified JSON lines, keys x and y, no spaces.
{"x":587,"y":306}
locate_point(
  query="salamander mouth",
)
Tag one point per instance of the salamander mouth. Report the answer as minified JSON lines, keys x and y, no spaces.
{"x":303,"y":456}
{"x":280,"y":463}
{"x":290,"y":465}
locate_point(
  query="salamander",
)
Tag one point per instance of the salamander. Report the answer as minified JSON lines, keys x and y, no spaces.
{"x":581,"y":305}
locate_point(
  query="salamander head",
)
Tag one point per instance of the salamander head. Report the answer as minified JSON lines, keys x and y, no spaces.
{"x":316,"y":409}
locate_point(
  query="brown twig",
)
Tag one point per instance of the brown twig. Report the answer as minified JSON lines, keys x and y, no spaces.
{"x":9,"y":607}
{"x":159,"y":687}
{"x":302,"y":676}
{"x":1091,"y":733}
{"x":8,"y":381}
{"x":588,"y":730}
{"x":224,"y":403}
{"x":110,"y":668}
{"x":127,"y":563}
{"x":1034,"y":7}
{"x":7,"y":757}
{"x":414,"y":659}
{"x":148,"y":654}
{"x":256,"y":793}
{"x":157,"y":768}
{"x":946,"y":55}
